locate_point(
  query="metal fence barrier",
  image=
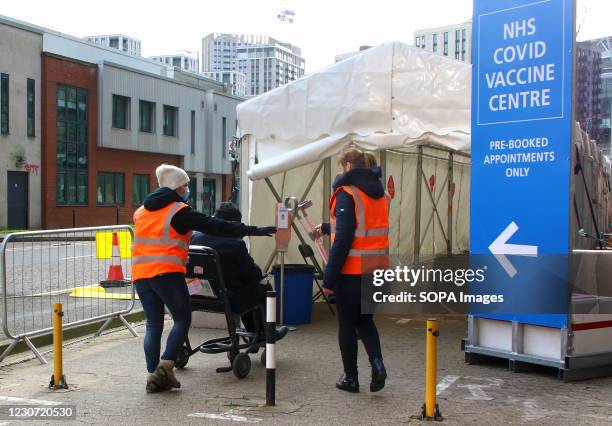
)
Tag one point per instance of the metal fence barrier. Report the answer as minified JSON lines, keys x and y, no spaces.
{"x":39,"y":268}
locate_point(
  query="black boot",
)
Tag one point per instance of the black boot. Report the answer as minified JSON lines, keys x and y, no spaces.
{"x":379,"y":375}
{"x":348,"y":383}
{"x":280,"y":332}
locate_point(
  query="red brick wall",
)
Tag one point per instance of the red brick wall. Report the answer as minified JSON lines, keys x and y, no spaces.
{"x":226,"y":187}
{"x":56,"y":70}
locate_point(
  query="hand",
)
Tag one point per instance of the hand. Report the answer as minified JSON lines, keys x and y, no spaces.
{"x":328,"y":292}
{"x":266,"y":231}
{"x":317,"y":232}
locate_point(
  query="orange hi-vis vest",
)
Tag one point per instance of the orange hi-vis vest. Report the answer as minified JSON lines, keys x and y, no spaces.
{"x":158,"y":248}
{"x":370,"y":247}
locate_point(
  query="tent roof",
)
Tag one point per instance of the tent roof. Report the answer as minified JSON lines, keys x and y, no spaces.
{"x":389,"y":96}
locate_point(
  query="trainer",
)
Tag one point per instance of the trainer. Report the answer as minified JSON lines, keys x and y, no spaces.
{"x":162,"y":229}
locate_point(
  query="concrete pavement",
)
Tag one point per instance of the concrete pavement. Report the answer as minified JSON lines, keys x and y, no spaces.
{"x":107,"y":378}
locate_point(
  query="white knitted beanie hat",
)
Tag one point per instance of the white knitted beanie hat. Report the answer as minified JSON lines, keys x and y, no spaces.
{"x":171,"y":176}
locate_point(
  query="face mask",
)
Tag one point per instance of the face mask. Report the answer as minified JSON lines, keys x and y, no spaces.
{"x":186,"y":195}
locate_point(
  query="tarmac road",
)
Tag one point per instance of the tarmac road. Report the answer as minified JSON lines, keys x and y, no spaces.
{"x":39,"y":274}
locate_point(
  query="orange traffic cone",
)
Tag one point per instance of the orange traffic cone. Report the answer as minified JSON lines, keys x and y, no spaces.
{"x":115,"y":273}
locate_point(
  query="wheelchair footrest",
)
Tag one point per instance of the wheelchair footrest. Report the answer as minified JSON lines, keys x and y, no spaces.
{"x":246,"y":334}
{"x":215,"y":347}
{"x":224,"y":369}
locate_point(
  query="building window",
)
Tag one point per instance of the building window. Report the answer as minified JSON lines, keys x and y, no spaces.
{"x":457,"y":43}
{"x":193,"y":192}
{"x":193,"y":132}
{"x":170,"y":120}
{"x":30,"y":108}
{"x":208,"y":196}
{"x":434,"y":44}
{"x":140,"y":189}
{"x":224,"y":136}
{"x":110,"y":189}
{"x":423,"y":44}
{"x":4,"y":104}
{"x":71,"y":145}
{"x":147,"y":116}
{"x":121,"y":112}
{"x":446,"y":44}
{"x":463,"y":44}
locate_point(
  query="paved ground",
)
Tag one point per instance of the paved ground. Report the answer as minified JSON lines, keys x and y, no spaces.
{"x":107,"y":384}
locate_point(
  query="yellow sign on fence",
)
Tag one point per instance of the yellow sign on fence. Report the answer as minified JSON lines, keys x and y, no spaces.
{"x":104,"y":244}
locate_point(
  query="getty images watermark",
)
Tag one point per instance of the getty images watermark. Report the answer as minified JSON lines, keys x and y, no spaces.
{"x":413,"y":277}
{"x":476,"y":284}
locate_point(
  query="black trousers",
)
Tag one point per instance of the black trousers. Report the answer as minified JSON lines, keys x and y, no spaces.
{"x":350,"y":322}
{"x":247,"y":298}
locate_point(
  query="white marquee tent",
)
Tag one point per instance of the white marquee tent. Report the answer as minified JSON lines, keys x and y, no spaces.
{"x":409,"y":106}
{"x":413,"y":109}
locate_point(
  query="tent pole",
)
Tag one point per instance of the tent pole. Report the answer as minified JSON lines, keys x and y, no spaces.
{"x":449,"y":240}
{"x":588,"y":197}
{"x":417,"y":217}
{"x":435,"y":208}
{"x":312,"y":181}
{"x":433,"y":212}
{"x":401,"y":202}
{"x":326,"y":195}
{"x":270,"y":260}
{"x":383,"y":165}
{"x":279,"y":200}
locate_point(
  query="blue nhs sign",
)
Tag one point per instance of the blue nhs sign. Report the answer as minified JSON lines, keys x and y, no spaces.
{"x":521,"y":63}
{"x":522,"y":53}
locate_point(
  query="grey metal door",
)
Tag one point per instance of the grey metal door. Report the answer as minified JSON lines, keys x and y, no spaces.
{"x":17,"y":200}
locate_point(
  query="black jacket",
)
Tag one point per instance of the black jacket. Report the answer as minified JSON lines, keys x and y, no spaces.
{"x":189,"y":219}
{"x":239,"y":268}
{"x":347,"y":287}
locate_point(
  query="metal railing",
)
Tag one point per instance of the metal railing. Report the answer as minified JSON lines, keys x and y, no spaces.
{"x":39,"y":268}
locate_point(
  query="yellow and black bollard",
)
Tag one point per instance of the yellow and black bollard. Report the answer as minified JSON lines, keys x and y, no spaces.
{"x":431,"y":410}
{"x":58,"y":380}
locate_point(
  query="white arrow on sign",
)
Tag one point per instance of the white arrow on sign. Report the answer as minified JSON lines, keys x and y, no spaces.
{"x":500,"y":249}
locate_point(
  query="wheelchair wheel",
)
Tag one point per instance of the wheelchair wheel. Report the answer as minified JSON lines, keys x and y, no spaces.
{"x":182,"y":358}
{"x":241,"y":365}
{"x":262,"y":358}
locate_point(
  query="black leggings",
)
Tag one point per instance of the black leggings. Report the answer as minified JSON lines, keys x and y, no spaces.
{"x":350,"y":322}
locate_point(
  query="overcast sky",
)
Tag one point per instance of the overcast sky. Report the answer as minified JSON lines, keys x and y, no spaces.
{"x":322,"y":28}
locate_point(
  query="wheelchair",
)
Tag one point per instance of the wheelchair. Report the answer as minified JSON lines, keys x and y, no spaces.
{"x":204,"y":264}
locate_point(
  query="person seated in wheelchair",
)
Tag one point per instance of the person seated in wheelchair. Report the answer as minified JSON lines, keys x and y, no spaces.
{"x":244,"y":280}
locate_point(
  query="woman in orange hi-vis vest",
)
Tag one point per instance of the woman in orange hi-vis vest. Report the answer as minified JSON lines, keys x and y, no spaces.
{"x":162,"y":228}
{"x":359,"y":228}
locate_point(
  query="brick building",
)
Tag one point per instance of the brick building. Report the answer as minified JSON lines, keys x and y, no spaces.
{"x":75,"y":169}
{"x":98,"y":123}
{"x":603,"y":48}
{"x":588,"y":89}
{"x":84,"y":126}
